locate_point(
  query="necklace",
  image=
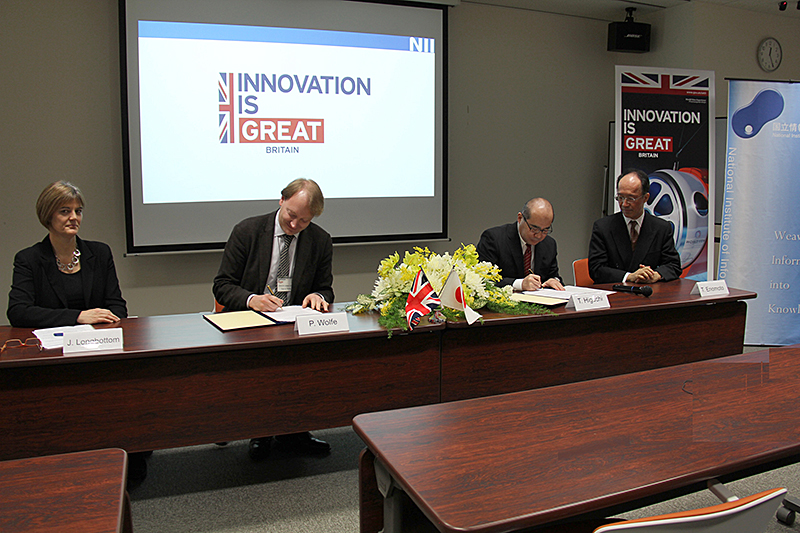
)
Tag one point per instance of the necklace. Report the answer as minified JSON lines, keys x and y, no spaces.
{"x":76,"y":258}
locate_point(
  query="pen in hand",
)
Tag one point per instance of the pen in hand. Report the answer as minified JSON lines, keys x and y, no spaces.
{"x":279,"y":308}
{"x":538,"y":280}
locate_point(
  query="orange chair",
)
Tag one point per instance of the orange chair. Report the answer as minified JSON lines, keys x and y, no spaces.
{"x":580,"y":268}
{"x":218,"y":306}
{"x":752,"y":513}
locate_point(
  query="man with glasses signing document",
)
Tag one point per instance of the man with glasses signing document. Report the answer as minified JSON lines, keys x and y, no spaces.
{"x":524,"y":250}
{"x":633,"y":246}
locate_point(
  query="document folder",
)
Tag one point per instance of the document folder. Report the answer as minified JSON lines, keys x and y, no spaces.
{"x":239,"y":320}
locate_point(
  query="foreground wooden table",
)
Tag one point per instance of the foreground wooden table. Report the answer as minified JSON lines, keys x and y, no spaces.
{"x":80,"y":492}
{"x":180,"y":381}
{"x":520,"y":460}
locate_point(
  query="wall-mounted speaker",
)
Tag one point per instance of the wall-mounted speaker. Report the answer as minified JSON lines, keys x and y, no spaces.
{"x":628,"y":37}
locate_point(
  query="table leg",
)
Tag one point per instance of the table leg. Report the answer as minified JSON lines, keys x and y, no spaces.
{"x":370,"y":505}
{"x":392,"y":499}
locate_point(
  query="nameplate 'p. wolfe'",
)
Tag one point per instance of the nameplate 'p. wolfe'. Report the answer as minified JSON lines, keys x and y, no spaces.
{"x":322,"y":323}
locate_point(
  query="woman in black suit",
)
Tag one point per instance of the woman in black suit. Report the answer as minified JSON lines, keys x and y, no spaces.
{"x":64,"y":280}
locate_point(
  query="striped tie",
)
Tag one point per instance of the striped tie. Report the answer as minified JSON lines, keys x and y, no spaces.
{"x":634,"y":235}
{"x":526,"y":263}
{"x":283,"y":265}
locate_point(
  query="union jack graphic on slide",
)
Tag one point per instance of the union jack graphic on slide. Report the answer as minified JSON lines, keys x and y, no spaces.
{"x":226,"y":126}
{"x":640,"y":82}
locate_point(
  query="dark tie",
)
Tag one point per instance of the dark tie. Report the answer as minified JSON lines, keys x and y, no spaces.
{"x":283,"y":265}
{"x":634,"y":235}
{"x":526,"y":262}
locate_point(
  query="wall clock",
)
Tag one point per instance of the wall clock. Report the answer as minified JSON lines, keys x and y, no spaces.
{"x":769,"y":54}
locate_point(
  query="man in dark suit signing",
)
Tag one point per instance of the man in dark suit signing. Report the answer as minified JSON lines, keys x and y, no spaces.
{"x":524,"y":250}
{"x":633,"y":245}
{"x":281,"y":258}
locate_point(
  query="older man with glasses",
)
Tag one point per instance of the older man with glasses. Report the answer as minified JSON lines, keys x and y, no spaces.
{"x":633,"y":245}
{"x":524,"y":250}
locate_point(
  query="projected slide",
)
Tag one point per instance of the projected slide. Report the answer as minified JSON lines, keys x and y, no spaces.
{"x":224,"y":103}
{"x":232,"y":113}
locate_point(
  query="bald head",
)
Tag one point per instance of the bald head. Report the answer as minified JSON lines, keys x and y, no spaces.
{"x":538,"y":207}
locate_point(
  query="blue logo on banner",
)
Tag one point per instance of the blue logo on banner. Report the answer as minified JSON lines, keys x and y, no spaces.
{"x":766,"y":106}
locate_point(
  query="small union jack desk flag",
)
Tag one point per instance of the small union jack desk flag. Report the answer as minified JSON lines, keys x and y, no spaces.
{"x":421,"y":300}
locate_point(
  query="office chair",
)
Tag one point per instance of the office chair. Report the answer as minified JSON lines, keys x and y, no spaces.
{"x":580,"y":268}
{"x":787,"y":512}
{"x":745,"y":515}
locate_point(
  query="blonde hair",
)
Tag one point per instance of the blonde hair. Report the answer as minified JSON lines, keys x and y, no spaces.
{"x":54,"y":196}
{"x":316,"y":202}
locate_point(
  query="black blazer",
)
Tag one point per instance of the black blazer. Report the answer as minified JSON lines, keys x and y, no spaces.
{"x":610,"y":255}
{"x":501,"y":246}
{"x":246,"y":259}
{"x":38,"y":298}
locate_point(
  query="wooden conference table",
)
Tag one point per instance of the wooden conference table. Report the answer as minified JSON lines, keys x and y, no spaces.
{"x":525,"y":459}
{"x":670,"y":327}
{"x":81,"y":492}
{"x":179,"y":381}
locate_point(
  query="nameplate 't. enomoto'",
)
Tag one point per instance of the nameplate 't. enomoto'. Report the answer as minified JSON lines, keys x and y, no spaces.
{"x":710,"y":288}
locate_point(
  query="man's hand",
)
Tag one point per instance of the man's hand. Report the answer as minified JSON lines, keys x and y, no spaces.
{"x":553,"y":283}
{"x":644,"y":274}
{"x":315,"y":301}
{"x":531,"y":282}
{"x":265,"y":302}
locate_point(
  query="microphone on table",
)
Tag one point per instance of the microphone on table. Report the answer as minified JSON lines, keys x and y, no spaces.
{"x":635,"y":289}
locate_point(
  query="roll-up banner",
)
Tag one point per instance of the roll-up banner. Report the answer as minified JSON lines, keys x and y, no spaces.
{"x":664,"y":127}
{"x":760,"y":234}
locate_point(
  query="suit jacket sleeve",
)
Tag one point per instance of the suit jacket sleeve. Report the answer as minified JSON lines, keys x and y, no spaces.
{"x":670,"y":265}
{"x":599,"y":260}
{"x":23,"y":309}
{"x":546,"y":260}
{"x":229,"y":289}
{"x":313,"y":269}
{"x":106,"y":275}
{"x":490,"y":248}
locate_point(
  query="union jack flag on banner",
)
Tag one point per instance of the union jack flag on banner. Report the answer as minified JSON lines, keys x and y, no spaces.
{"x":226,"y":126}
{"x":637,"y":80}
{"x":421,"y":300}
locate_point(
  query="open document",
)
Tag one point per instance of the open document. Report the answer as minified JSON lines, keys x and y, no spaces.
{"x":54,"y":337}
{"x":552,"y":297}
{"x":288,"y":314}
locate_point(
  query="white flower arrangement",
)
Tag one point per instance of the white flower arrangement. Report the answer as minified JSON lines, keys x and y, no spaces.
{"x":478,"y":280}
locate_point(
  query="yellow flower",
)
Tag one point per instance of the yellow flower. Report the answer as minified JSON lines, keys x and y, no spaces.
{"x":467,"y":253}
{"x":388,"y":264}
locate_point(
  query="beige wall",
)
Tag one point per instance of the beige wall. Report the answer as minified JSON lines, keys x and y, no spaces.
{"x":704,"y":36}
{"x":531,"y":95}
